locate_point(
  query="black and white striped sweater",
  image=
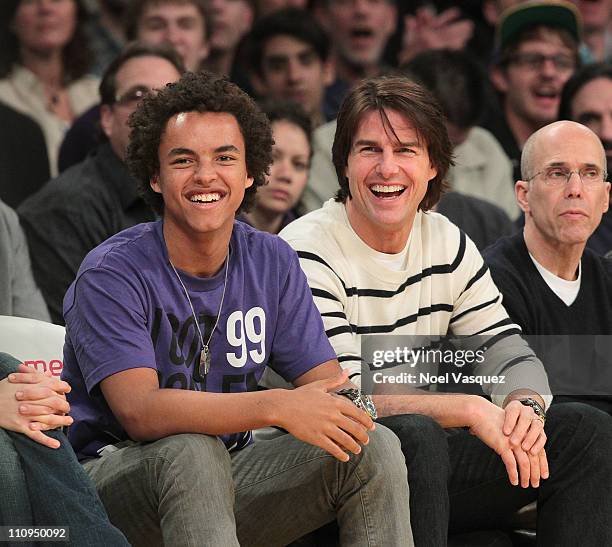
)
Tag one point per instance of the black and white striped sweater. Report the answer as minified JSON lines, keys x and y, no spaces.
{"x":445,"y":289}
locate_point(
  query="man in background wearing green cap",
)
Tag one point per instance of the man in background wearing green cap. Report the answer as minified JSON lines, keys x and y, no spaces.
{"x":536,"y":53}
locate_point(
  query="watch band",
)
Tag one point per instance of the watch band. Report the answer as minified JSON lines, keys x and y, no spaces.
{"x":360,"y":400}
{"x":537,"y":408}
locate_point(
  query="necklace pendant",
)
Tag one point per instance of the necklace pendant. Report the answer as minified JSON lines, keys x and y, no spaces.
{"x":204,"y":361}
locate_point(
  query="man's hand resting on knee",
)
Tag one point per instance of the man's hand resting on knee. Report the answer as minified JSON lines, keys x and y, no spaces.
{"x":313,"y":414}
{"x":32,"y":402}
{"x":517,"y":435}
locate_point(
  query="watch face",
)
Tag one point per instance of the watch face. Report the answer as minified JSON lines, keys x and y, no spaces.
{"x":361,"y":400}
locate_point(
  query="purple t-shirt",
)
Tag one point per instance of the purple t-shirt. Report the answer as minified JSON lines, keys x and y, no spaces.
{"x":126,"y":309}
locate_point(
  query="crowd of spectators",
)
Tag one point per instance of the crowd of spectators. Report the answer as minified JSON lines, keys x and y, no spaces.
{"x":512,"y":79}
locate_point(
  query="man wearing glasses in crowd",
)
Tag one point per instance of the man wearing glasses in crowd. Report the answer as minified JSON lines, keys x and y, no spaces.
{"x":536,"y":53}
{"x":96,"y":198}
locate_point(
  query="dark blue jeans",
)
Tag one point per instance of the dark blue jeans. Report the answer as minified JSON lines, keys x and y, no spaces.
{"x":458,"y":484}
{"x":42,"y":486}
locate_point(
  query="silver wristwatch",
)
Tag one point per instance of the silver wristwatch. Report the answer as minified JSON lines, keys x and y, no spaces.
{"x":360,"y":400}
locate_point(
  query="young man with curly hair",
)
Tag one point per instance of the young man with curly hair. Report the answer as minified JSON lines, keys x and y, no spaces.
{"x":169,"y":327}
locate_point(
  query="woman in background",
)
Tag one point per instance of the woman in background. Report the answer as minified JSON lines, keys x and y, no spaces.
{"x":44,"y":61}
{"x":276,"y":202}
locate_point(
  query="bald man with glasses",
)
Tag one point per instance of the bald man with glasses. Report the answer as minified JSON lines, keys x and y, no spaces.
{"x":552,"y":284}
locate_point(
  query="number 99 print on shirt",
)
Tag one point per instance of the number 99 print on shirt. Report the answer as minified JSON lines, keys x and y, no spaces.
{"x":130,"y":304}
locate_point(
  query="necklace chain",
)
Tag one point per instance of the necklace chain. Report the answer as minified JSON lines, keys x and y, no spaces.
{"x":205,"y":352}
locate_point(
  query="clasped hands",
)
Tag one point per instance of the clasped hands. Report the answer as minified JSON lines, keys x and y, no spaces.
{"x":32,"y":402}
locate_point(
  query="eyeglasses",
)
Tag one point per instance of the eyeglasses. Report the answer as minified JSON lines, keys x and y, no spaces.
{"x":559,"y":176}
{"x":133,"y":96}
{"x":535,"y":61}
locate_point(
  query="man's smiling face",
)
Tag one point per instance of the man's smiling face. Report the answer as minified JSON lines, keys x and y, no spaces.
{"x":388,"y":173}
{"x":534,"y":77}
{"x":202,"y":172}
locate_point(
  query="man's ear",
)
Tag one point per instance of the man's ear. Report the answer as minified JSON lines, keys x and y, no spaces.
{"x":321,"y":15}
{"x":106,"y":120}
{"x":434,"y":171}
{"x":499,"y":79}
{"x":204,"y":51}
{"x":607,"y":197}
{"x":258,"y":84}
{"x":391,"y":21}
{"x":248,"y":182}
{"x":154,"y":182}
{"x":329,"y":72}
{"x":490,"y":11}
{"x":248,"y":16}
{"x":521,"y":191}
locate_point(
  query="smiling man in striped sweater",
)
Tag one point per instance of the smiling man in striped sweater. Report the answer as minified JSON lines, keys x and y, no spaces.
{"x":379,"y":262}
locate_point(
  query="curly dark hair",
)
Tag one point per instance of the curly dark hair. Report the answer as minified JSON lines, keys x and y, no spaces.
{"x":413,"y":102}
{"x":197,"y":92}
{"x":76,"y":55}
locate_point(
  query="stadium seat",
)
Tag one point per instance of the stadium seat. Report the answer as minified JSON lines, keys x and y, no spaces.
{"x":36,"y":343}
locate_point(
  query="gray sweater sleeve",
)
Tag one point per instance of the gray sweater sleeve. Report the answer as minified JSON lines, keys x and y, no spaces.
{"x":19,"y":295}
{"x":511,"y":359}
